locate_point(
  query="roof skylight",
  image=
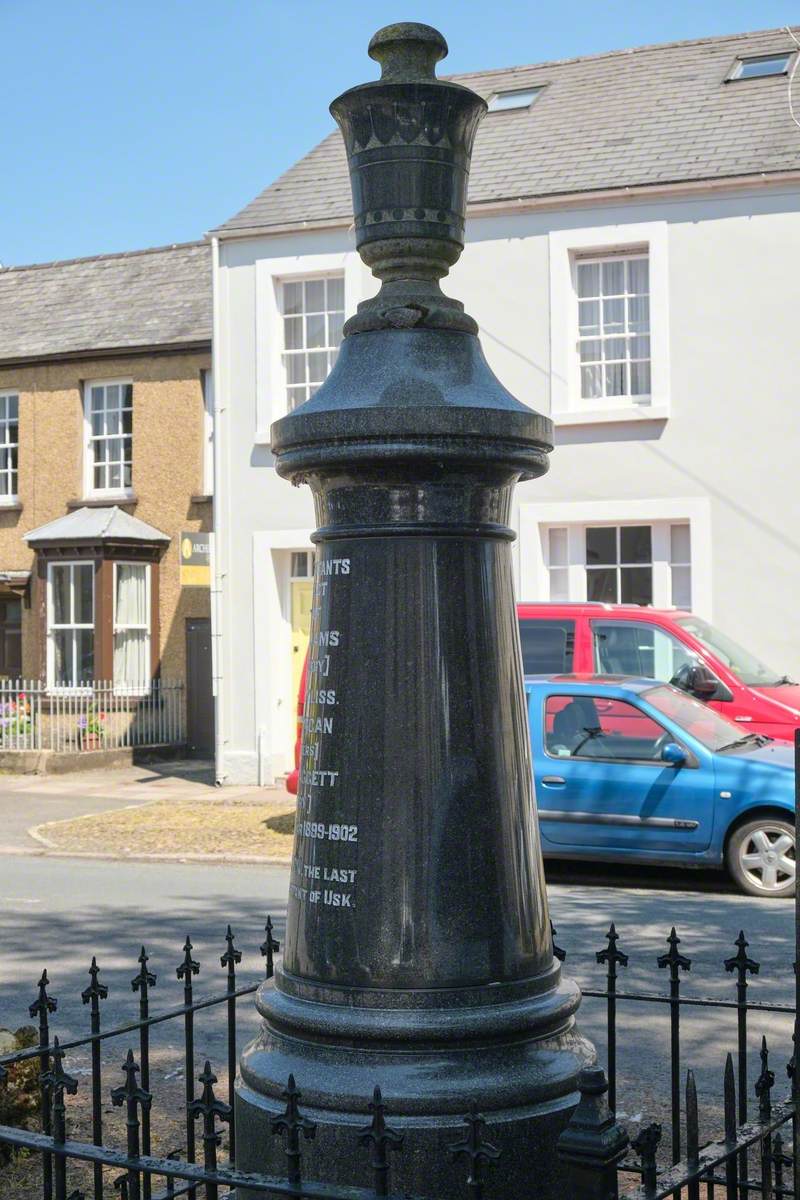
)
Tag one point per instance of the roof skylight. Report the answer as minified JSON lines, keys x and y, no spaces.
{"x":521,"y":98}
{"x":756,"y":66}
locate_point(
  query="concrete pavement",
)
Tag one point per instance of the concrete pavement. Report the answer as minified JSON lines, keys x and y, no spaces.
{"x":30,"y":800}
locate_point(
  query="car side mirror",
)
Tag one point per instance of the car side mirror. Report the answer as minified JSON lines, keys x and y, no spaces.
{"x":697,"y":680}
{"x":673,"y":754}
{"x":701,"y":683}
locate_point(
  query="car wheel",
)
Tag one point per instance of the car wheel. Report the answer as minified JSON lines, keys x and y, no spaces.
{"x":761,"y":857}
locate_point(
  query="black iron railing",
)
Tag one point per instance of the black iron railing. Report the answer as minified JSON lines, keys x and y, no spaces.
{"x":674,"y":999}
{"x":147,"y":1177}
{"x":726,"y":1163}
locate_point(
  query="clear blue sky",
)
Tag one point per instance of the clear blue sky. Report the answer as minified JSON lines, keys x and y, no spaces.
{"x":132,"y":123}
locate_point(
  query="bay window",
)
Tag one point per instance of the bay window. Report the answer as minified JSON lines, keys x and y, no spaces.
{"x":100,"y":623}
{"x":70,"y":624}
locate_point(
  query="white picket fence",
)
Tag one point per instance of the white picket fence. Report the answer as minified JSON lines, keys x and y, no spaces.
{"x":105,"y":716}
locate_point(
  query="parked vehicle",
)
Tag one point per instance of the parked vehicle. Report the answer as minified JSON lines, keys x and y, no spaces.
{"x":666,"y":644}
{"x":633,"y":770}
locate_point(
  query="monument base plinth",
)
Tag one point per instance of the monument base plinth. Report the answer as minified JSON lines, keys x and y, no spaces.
{"x":514,"y":1062}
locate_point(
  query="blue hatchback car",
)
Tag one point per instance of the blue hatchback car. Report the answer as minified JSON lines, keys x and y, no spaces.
{"x":634,"y":770}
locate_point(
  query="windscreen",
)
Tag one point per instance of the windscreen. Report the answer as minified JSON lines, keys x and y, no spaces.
{"x":744,"y":665}
{"x":695,"y":717}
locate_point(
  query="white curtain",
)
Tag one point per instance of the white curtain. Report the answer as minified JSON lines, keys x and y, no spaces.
{"x":131,"y":626}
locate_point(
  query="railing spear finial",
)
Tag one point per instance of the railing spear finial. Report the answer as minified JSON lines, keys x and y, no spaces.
{"x":59,"y":1083}
{"x":383,"y":1139}
{"x":189,"y":966}
{"x":269,"y":947}
{"x":477,"y":1151}
{"x":211,"y":1110}
{"x":646,"y":1145}
{"x":673,"y":959}
{"x":293,"y":1123}
{"x":740,"y":962}
{"x":232,"y":956}
{"x":44,"y":1003}
{"x":96,"y":990}
{"x":764,"y":1083}
{"x":144,"y":979}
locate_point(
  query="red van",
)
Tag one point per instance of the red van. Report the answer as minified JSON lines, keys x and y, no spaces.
{"x":666,"y":644}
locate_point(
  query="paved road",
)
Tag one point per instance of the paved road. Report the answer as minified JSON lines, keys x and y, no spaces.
{"x":57,"y":912}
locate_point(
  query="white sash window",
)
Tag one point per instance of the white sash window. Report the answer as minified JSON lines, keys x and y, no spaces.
{"x":109,"y":438}
{"x":313,"y":318}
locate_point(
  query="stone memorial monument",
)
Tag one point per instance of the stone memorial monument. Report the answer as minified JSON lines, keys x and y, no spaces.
{"x":418,"y":954}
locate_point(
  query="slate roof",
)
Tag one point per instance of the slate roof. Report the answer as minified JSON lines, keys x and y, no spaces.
{"x":631,"y":118}
{"x":96,"y":524}
{"x":159,"y":297}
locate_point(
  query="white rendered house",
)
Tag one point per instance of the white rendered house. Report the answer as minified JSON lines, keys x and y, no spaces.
{"x":633,"y":261}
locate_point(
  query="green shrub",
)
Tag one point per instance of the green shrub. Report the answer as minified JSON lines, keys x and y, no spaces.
{"x":19,"y":1091}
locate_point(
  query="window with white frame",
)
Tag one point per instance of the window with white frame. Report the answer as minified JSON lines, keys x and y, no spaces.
{"x":613,"y":295}
{"x":636,"y":563}
{"x":756,"y":66}
{"x":518,"y":98}
{"x":313,"y":317}
{"x":131,"y":626}
{"x":109,"y":447}
{"x":70,"y":624}
{"x":9,"y":445}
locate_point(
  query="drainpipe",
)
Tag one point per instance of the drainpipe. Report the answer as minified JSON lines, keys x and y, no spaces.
{"x":221,"y":523}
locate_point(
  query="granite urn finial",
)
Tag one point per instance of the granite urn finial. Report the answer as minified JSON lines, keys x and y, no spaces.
{"x":409,"y":139}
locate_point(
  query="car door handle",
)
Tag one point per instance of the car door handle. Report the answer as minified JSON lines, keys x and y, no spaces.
{"x":742,"y":718}
{"x":552,"y":781}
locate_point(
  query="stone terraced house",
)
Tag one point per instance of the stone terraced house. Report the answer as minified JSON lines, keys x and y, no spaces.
{"x":106,"y":474}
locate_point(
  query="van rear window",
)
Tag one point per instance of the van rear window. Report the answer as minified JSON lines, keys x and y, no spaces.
{"x":547,"y":646}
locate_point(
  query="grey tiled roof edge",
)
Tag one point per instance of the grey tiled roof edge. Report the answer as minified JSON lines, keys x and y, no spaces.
{"x":579,"y":137}
{"x":90,"y":524}
{"x":139,"y":298}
